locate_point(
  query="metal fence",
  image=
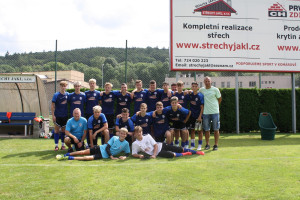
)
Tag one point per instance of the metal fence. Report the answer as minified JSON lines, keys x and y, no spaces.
{"x":125,"y":65}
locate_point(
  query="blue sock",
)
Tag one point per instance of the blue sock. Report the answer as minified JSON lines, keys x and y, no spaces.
{"x":187,"y":142}
{"x":171,"y":143}
{"x":67,"y":154}
{"x":176,"y":141}
{"x":178,"y":154}
{"x":192,"y":144}
{"x":62,"y":137}
{"x":182,"y":144}
{"x":200,"y":142}
{"x":56,"y":138}
{"x":189,"y":150}
{"x":71,"y":158}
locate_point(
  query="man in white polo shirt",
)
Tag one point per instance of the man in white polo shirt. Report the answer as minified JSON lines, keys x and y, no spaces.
{"x":211,"y":112}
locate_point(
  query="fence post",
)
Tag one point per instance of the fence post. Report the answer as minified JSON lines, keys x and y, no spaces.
{"x":237,"y":111}
{"x":293,"y":103}
{"x":126,"y":63}
{"x":55,"y":82}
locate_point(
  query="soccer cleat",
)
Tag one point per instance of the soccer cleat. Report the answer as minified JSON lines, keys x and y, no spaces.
{"x":176,"y":145}
{"x":199,"y":148}
{"x":186,"y":146}
{"x":200,"y":153}
{"x":63,"y":148}
{"x":193,"y":147}
{"x":56,"y":148}
{"x":215,"y":148}
{"x":207,"y":147}
{"x":61,"y":157}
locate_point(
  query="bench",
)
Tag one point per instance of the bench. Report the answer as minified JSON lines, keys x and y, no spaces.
{"x":17,"y":119}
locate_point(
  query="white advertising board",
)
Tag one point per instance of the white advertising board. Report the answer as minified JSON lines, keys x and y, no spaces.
{"x":235,"y":35}
{"x":16,"y":79}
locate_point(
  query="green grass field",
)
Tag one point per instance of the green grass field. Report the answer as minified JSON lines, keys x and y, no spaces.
{"x":244,"y":167}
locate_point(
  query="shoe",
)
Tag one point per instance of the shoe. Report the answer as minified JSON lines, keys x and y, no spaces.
{"x":56,"y":148}
{"x":199,"y":148}
{"x":63,"y":148}
{"x":200,"y":153}
{"x":193,"y":147}
{"x":70,"y":150}
{"x":176,"y":145}
{"x":61,"y":157}
{"x":207,"y":147}
{"x":186,"y":146}
{"x":215,"y":148}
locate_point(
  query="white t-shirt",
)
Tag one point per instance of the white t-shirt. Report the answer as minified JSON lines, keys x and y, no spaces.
{"x":146,"y":145}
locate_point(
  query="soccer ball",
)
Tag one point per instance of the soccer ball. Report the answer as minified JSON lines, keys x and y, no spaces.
{"x":58,"y":157}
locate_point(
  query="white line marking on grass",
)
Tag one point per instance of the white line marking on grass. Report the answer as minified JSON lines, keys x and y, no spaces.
{"x":64,"y":163}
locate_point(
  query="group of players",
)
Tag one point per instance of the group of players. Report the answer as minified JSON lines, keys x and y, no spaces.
{"x":159,"y":116}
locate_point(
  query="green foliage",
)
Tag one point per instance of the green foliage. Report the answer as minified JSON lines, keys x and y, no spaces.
{"x":268,"y":102}
{"x":298,"y":108}
{"x":284,"y":111}
{"x":227,"y":110}
{"x":249,"y":109}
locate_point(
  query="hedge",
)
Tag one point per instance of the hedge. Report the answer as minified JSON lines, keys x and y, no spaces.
{"x":252,"y":102}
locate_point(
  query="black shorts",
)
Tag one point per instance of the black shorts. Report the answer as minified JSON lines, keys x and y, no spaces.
{"x":61,"y":121}
{"x":110,"y":120}
{"x":76,"y":147}
{"x":96,"y":152}
{"x":160,"y":138}
{"x":191,"y":123}
{"x":167,"y":151}
{"x":87,"y":116}
{"x":178,"y":125}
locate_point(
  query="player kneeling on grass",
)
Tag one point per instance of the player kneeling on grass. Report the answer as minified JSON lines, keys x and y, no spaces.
{"x":115,"y":145}
{"x":148,"y":147}
{"x":76,"y":131}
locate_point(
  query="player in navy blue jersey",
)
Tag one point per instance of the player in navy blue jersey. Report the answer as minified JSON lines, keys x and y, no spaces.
{"x":125,"y":122}
{"x":161,"y":127}
{"x":123,"y":99}
{"x":153,"y":96}
{"x":108,"y":102}
{"x":178,"y":119}
{"x":183,"y":97}
{"x":92,"y":98}
{"x":165,"y":95}
{"x":59,"y":110}
{"x":97,"y":125}
{"x":143,"y":119}
{"x":196,"y":107}
{"x":77,"y":99}
{"x":138,"y":95}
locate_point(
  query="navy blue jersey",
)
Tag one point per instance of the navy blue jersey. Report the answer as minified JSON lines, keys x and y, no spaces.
{"x":61,"y":104}
{"x":178,"y":115}
{"x":128,"y":124}
{"x":77,"y":101}
{"x":108,"y":102}
{"x":144,"y":122}
{"x":139,"y":98}
{"x":151,"y":99}
{"x":164,"y":98}
{"x":96,"y":124}
{"x":160,"y":124}
{"x":123,"y":101}
{"x":92,"y":99}
{"x":196,"y":100}
{"x":182,"y":99}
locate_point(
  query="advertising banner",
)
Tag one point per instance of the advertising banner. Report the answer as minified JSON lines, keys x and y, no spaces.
{"x":235,"y":35}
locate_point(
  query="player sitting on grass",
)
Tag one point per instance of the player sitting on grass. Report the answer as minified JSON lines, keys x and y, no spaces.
{"x":115,"y":145}
{"x":148,"y":147}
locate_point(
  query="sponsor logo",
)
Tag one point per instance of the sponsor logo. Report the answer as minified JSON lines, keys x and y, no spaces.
{"x":215,"y":8}
{"x":277,"y":10}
